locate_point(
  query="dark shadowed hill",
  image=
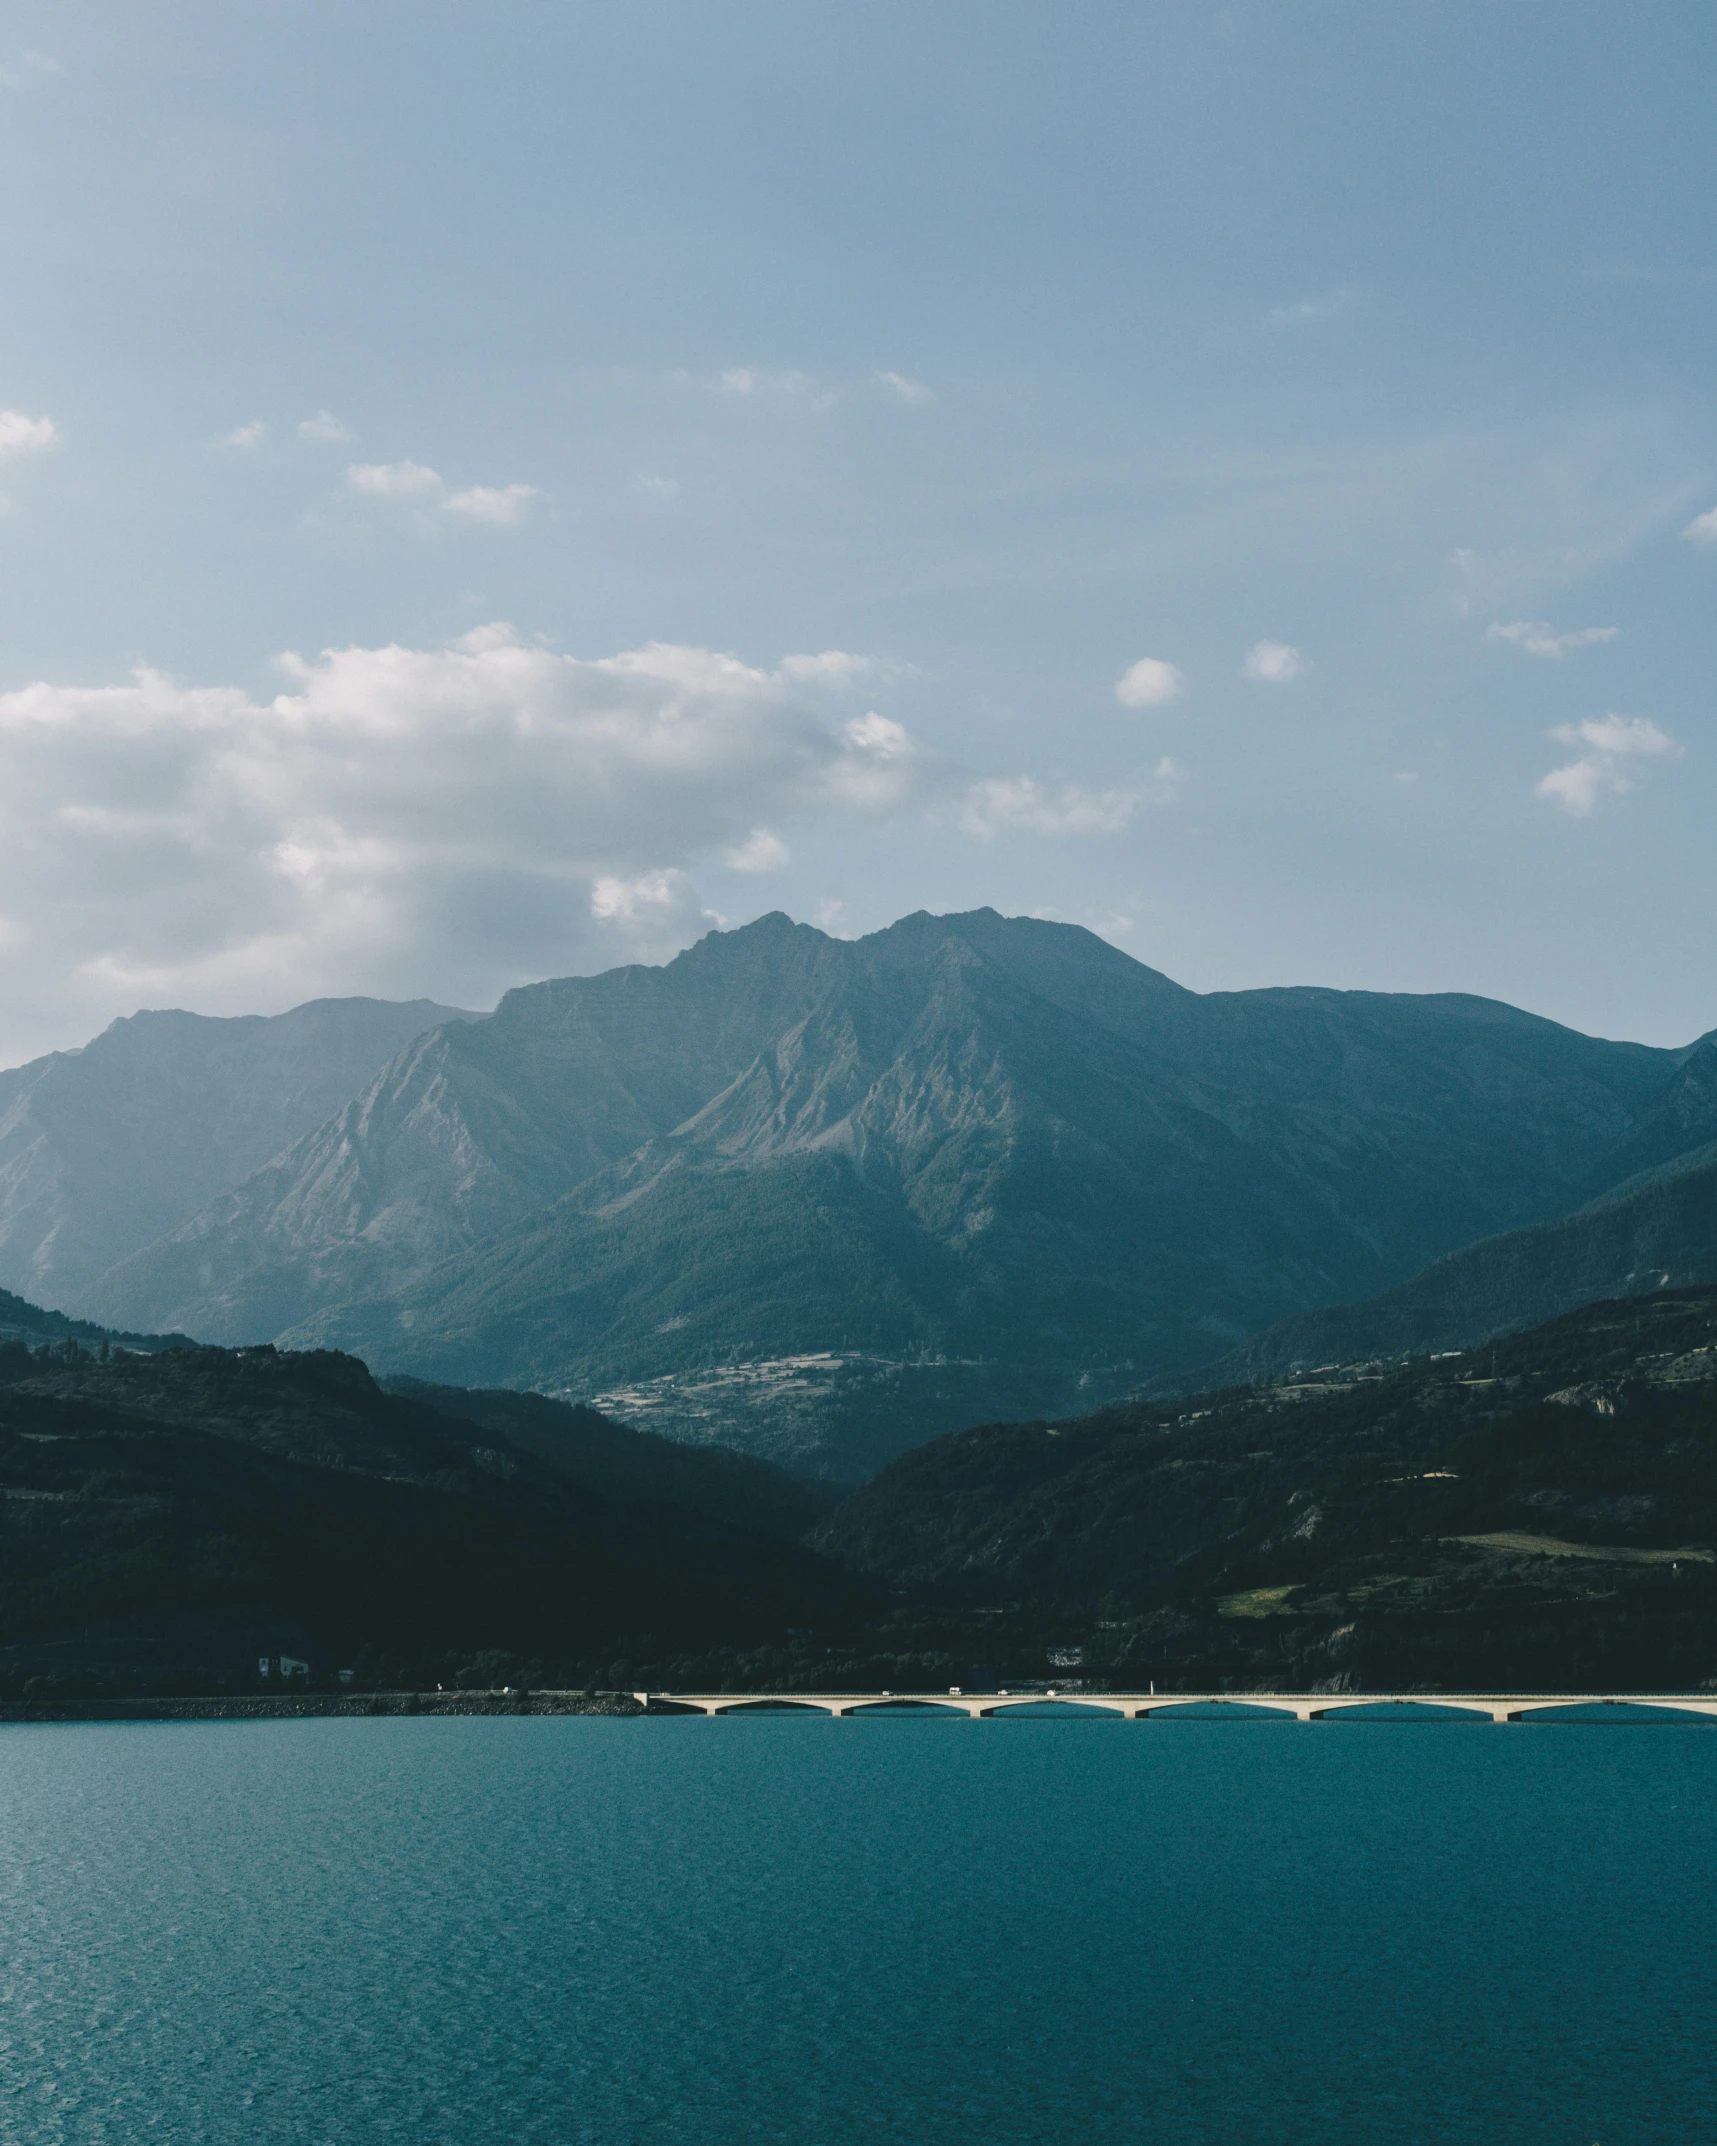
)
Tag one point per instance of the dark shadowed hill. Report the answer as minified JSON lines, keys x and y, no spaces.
{"x":1539,"y":1514}
{"x":823,"y":1198}
{"x":612,"y":1460}
{"x":105,"y":1149}
{"x":182,"y":1512}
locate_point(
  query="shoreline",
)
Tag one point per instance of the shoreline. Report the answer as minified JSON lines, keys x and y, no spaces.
{"x":317,"y":1706}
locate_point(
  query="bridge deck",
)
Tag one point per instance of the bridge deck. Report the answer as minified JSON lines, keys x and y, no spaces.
{"x":1144,"y":1706}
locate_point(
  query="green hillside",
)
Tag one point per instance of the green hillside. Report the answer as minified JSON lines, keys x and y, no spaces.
{"x":1539,"y":1513}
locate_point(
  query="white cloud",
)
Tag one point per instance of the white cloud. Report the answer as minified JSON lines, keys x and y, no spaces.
{"x":880,"y":761}
{"x":745,"y":381}
{"x":1606,"y":742}
{"x":28,"y":71}
{"x":324,"y":426}
{"x":25,"y":435}
{"x":1576,"y":787}
{"x":880,"y":736}
{"x":1617,"y":735}
{"x":1020,"y":804}
{"x":1272,"y":662}
{"x":393,"y":480}
{"x":759,"y":852}
{"x":500,"y":505}
{"x":1538,"y":639}
{"x":478,"y":642}
{"x":1303,"y":311}
{"x":834,"y":667}
{"x":1149,"y":683}
{"x":396,"y":820}
{"x":663,"y":487}
{"x":505,"y":504}
{"x":251,"y":435}
{"x":900,"y":384}
{"x":650,"y":894}
{"x":1702,"y":529}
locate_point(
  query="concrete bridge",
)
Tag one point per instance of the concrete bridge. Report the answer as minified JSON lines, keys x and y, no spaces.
{"x":1151,"y":1706}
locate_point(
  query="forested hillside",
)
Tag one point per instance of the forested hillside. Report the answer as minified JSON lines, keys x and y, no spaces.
{"x":167,"y":1519}
{"x":1539,"y":1512}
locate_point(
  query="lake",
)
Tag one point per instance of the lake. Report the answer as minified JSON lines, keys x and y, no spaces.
{"x":815,"y":1932}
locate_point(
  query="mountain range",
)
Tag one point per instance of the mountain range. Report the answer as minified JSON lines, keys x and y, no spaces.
{"x":825,"y":1199}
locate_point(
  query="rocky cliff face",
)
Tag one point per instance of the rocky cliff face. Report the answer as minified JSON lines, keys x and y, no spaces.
{"x":825,"y":1198}
{"x":106,"y":1149}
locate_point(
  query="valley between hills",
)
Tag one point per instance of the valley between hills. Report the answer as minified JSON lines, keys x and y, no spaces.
{"x":965,"y":1301}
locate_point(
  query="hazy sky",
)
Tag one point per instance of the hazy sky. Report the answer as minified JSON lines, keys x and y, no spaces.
{"x":490,"y":489}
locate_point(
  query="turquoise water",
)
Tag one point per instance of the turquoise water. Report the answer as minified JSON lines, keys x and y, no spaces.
{"x":495,"y":1932}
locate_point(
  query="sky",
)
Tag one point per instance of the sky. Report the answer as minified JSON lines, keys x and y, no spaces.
{"x":492,"y":493}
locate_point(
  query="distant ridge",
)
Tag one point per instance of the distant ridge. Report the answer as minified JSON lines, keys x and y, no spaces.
{"x":1655,"y":1231}
{"x":104,"y":1149}
{"x":29,"y":1323}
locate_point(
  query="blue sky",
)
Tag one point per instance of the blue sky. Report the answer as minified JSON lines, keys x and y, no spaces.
{"x":737,"y":458}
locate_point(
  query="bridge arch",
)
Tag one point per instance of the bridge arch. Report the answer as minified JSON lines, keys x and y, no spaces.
{"x":1039,"y":1706}
{"x":1429,"y":1711}
{"x":776,"y":1706}
{"x":1614,"y":1713}
{"x":1216,"y":1710}
{"x":898,"y":1709}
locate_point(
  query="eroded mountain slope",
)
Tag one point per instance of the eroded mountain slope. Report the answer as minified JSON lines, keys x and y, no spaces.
{"x":105,"y":1149}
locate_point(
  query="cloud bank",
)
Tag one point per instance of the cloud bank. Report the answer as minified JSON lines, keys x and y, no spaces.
{"x":451,"y":820}
{"x":1537,"y":639}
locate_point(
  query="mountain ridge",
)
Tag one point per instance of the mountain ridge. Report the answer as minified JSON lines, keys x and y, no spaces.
{"x":971,"y":1141}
